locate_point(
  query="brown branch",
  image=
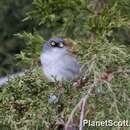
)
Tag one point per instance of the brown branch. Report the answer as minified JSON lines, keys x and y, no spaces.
{"x":99,"y":6}
{"x":82,"y":103}
{"x":70,"y":120}
{"x":85,"y":100}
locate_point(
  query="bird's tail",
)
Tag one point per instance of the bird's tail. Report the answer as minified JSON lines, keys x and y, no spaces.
{"x":4,"y":80}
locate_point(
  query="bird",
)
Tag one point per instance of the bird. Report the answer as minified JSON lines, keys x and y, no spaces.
{"x":58,"y":60}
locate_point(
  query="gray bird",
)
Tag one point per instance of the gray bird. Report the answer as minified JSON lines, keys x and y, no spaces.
{"x":58,"y":61}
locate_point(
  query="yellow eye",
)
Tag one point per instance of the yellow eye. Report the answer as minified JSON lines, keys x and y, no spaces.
{"x":53,"y":43}
{"x":61,"y":44}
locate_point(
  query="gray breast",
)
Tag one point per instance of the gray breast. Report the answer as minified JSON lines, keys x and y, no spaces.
{"x":60,"y":66}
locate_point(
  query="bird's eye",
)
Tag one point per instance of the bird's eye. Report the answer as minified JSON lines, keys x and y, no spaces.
{"x":61,"y":44}
{"x":53,"y":43}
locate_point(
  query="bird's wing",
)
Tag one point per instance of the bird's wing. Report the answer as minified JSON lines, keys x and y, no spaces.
{"x":71,"y":65}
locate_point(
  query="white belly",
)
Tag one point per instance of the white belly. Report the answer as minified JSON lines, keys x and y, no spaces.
{"x":53,"y":72}
{"x":59,"y":67}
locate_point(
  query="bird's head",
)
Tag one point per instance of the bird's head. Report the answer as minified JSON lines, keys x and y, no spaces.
{"x":59,"y":44}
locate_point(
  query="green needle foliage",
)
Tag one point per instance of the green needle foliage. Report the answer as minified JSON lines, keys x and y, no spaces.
{"x":101,"y":30}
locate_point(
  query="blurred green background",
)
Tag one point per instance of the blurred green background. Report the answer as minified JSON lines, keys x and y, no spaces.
{"x":11,"y":14}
